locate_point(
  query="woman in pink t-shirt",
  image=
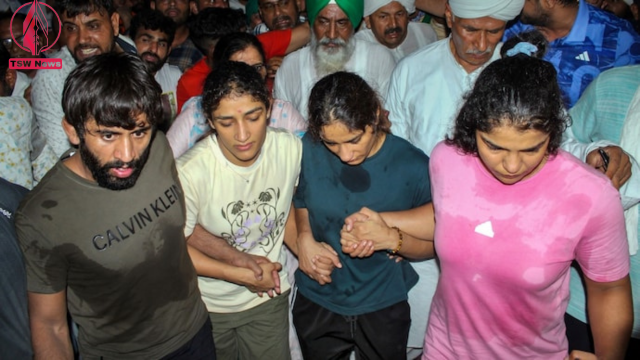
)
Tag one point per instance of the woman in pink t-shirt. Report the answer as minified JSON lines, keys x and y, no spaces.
{"x":512,"y":212}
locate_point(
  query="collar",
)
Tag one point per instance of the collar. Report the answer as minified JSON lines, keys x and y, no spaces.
{"x":578,"y":32}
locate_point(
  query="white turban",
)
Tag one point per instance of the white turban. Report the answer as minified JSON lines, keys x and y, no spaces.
{"x":371,"y":6}
{"x":505,"y":10}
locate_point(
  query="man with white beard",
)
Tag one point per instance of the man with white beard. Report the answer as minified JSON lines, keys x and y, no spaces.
{"x":333,"y":48}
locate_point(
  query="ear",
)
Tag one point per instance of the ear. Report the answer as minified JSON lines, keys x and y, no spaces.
{"x":448,"y":15}
{"x":71,"y":132}
{"x":367,"y":21}
{"x":115,"y":23}
{"x":10,"y":77}
{"x":193,"y":7}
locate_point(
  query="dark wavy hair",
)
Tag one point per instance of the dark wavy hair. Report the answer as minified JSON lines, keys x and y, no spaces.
{"x":153,"y":20}
{"x":232,"y":78}
{"x":232,"y":43}
{"x":73,"y":8}
{"x":520,"y":91}
{"x":346,"y":98}
{"x":113,"y":89}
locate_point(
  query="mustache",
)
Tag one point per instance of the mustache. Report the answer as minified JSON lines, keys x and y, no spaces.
{"x":336,"y":41}
{"x":148,"y":53}
{"x":282,"y":18}
{"x":390,"y":31}
{"x":478,"y":52}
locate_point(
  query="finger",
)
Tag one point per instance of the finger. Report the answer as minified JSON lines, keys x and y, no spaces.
{"x":276,"y":281}
{"x":255,"y":267}
{"x":260,"y":293}
{"x":270,"y":293}
{"x":329,"y":252}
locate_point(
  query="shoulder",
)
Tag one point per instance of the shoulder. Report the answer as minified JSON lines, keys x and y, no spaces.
{"x":284,"y":139}
{"x":365,"y":35}
{"x":425,"y":56}
{"x":404,"y":147}
{"x":295,"y":58}
{"x":420,"y":27}
{"x":577,"y":174}
{"x":199,"y":156}
{"x":171,"y":70}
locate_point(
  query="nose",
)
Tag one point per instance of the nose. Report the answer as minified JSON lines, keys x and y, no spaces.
{"x":333,"y":30}
{"x":394,"y":22}
{"x":511,"y":163}
{"x":84,"y":36}
{"x":344,"y":153}
{"x":243,"y":133}
{"x":125,"y":151}
{"x":482,"y":42}
{"x":153,"y":47}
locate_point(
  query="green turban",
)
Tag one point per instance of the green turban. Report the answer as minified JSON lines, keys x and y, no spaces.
{"x":250,"y":9}
{"x":353,"y":8}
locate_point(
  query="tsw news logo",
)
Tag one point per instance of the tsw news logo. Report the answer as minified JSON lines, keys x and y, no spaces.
{"x":34,"y":38}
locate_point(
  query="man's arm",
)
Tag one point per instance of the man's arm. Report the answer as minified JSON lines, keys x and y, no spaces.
{"x":610,"y":311}
{"x":317,"y":260}
{"x":300,"y":36}
{"x":49,"y":327}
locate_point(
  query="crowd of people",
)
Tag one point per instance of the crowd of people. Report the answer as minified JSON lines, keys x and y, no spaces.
{"x":321,"y":179}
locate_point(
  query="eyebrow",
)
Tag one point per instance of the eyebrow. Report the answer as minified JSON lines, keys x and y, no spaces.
{"x":533,"y":148}
{"x":152,"y":37}
{"x":231,"y":117}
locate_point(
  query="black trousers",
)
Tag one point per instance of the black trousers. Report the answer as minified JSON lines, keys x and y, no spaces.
{"x":325,"y":335}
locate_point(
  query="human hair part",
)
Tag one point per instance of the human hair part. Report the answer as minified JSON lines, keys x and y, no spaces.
{"x":212,"y":23}
{"x":153,"y":20}
{"x":520,"y":91}
{"x":73,"y":8}
{"x":235,"y":42}
{"x":113,"y":89}
{"x":345,"y":98}
{"x":232,"y":79}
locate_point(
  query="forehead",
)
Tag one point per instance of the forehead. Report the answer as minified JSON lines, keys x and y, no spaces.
{"x":234,"y":104}
{"x":156,"y":34}
{"x":484,"y":23}
{"x":332,"y":12}
{"x":338,"y":132}
{"x":140,"y":122}
{"x":246,"y":54}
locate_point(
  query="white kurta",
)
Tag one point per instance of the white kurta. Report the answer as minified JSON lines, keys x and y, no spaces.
{"x":297,"y":75}
{"x":419,"y":35}
{"x":425,"y":93}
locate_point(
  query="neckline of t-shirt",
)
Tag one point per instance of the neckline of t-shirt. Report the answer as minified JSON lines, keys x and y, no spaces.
{"x":235,"y":168}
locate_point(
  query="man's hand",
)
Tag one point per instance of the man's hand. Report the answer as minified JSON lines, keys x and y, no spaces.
{"x":317,"y":260}
{"x":251,"y":262}
{"x":269,"y":284}
{"x":273,"y":65}
{"x":619,"y":167}
{"x":581,"y":355}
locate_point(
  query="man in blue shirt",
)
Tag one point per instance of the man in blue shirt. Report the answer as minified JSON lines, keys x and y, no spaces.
{"x":583,"y":41}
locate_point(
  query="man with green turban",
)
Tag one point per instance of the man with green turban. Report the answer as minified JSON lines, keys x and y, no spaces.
{"x":333,"y":48}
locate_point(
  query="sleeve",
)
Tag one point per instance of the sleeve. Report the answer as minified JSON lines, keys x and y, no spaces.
{"x":423,"y":192}
{"x":399,"y":113}
{"x":275,"y":43}
{"x":287,"y":117}
{"x":603,"y":252}
{"x":46,"y":99}
{"x":279,"y":85}
{"x":182,"y":92}
{"x":385,"y":65}
{"x":179,"y":134}
{"x":46,"y":268}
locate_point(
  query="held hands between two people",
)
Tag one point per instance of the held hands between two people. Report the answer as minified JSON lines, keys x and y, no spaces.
{"x":316,"y":259}
{"x":619,"y":167}
{"x":364,"y":233}
{"x":266,"y":277}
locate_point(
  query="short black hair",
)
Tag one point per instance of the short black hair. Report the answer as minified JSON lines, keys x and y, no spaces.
{"x":212,"y":23}
{"x":519,"y":90}
{"x":346,"y":98}
{"x":232,"y":43}
{"x":4,"y":66}
{"x":153,"y":20}
{"x":72,"y":8}
{"x":112,"y":88}
{"x":233,"y":78}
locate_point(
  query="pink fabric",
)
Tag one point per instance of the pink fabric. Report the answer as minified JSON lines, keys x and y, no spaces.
{"x":505,"y":253}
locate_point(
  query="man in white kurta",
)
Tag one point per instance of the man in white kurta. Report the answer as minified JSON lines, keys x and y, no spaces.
{"x":299,"y":70}
{"x":387,"y":23}
{"x":425,"y":93}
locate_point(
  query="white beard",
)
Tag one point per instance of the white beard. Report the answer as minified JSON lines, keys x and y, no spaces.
{"x":331,"y":60}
